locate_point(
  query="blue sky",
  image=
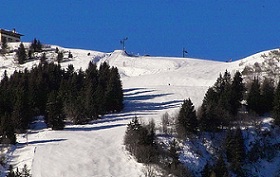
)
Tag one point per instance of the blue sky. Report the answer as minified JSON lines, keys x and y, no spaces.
{"x":210,"y":29}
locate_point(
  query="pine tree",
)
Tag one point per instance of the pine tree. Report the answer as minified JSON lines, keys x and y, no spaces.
{"x":187,"y":117}
{"x":208,"y":120}
{"x":36,"y":46}
{"x":219,"y":85}
{"x":90,"y":104}
{"x":25,"y":172}
{"x":130,"y":139}
{"x":114,"y":93}
{"x":216,"y":106}
{"x":276,"y":105}
{"x":224,"y":92}
{"x":39,"y":46}
{"x":267,"y":95}
{"x":11,"y":172}
{"x":151,"y":136}
{"x":235,"y":149}
{"x":7,"y":130}
{"x":30,"y":54}
{"x":236,"y":93}
{"x":21,"y":109}
{"x":52,"y":76}
{"x":254,"y":97}
{"x":59,"y":57}
{"x":74,"y":101}
{"x":5,"y":79}
{"x":6,"y":94}
{"x":55,"y":112}
{"x":139,"y":141}
{"x":21,"y":54}
{"x":103,"y":78}
{"x":206,"y":171}
{"x":174,"y":154}
{"x":43,"y":58}
{"x":17,"y":173}
{"x":100,"y":99}
{"x":229,"y":145}
{"x":220,"y":168}
{"x":165,"y":122}
{"x":70,"y":55}
{"x":40,"y":92}
{"x":91,"y":83}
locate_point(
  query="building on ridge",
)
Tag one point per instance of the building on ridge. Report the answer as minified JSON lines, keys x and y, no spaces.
{"x":10,"y":36}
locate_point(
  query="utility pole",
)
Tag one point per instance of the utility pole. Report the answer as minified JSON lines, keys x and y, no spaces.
{"x":184,"y":52}
{"x":123,"y":42}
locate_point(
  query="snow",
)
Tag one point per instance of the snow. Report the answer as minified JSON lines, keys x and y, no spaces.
{"x":152,"y":86}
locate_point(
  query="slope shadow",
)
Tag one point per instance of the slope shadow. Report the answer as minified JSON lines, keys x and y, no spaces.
{"x":138,"y":92}
{"x":41,"y":142}
{"x":117,"y":117}
{"x":93,"y":128}
{"x":147,"y":106}
{"x":137,"y":102}
{"x":132,"y":89}
{"x":145,"y":97}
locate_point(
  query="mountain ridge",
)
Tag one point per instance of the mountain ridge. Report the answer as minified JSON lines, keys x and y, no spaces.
{"x":152,"y":86}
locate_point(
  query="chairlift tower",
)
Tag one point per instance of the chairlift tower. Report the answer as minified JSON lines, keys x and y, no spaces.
{"x":184,"y":52}
{"x":123,"y":42}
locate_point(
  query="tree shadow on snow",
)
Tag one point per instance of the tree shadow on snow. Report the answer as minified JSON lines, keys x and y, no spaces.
{"x":118,"y":117}
{"x":132,"y":89}
{"x":37,"y":142}
{"x":144,"y":97}
{"x":138,"y":102}
{"x":135,"y":102}
{"x":137,"y":91}
{"x":84,"y":128}
{"x":147,"y":106}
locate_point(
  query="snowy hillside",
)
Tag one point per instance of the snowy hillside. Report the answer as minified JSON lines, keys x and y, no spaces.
{"x":152,"y":86}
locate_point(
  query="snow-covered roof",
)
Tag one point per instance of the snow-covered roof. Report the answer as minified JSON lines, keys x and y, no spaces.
{"x":11,"y":33}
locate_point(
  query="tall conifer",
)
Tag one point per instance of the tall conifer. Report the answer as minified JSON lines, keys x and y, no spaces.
{"x":254,"y":97}
{"x":21,"y":54}
{"x":187,"y":117}
{"x":236,"y":93}
{"x":276,"y":105}
{"x":267,"y":95}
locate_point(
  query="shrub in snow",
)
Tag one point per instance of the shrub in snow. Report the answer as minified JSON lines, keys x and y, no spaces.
{"x":186,"y":121}
{"x":140,"y":141}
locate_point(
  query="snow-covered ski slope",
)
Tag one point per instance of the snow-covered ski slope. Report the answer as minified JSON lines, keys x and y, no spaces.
{"x":152,"y":86}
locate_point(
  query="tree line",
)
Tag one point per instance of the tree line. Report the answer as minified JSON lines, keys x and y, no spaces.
{"x":227,"y":102}
{"x":24,"y":54}
{"x":222,"y":103}
{"x":57,"y":93}
{"x":221,"y":108}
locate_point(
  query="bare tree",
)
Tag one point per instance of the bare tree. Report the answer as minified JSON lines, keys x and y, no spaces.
{"x":165,"y":122}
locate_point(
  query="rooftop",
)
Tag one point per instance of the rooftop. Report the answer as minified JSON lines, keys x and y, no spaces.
{"x":10,"y":32}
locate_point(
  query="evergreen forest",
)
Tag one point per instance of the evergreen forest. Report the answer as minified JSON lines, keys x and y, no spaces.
{"x":58,"y":94}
